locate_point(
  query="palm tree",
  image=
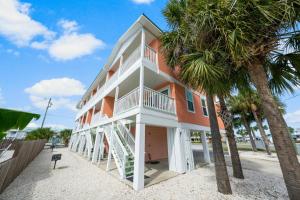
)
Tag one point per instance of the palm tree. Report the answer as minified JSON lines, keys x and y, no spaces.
{"x":235,"y":158}
{"x":224,"y":36}
{"x":65,"y":135}
{"x":238,"y":107}
{"x":40,"y":133}
{"x":176,"y":47}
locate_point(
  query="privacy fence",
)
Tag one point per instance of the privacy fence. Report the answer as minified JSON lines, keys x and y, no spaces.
{"x":24,"y":153}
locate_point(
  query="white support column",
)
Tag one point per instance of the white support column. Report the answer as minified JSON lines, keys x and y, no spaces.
{"x":139,"y":157}
{"x":101,"y":150}
{"x":142,"y":70}
{"x":89,"y":144}
{"x":109,"y":159}
{"x":116,"y":99}
{"x":96,"y":147}
{"x":93,"y":112}
{"x":205,"y":147}
{"x":121,"y":65}
{"x":179,"y":151}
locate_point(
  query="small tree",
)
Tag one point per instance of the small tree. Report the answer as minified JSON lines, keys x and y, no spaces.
{"x":40,"y":133}
{"x":65,"y":135}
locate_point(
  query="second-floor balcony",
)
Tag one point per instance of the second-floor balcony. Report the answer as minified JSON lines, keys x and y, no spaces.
{"x":149,"y":56}
{"x":151,"y":99}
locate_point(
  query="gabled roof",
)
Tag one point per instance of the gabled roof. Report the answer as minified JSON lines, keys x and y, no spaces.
{"x":142,"y":21}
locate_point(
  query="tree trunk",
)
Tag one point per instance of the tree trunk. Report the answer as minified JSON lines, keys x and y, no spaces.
{"x":248,"y":129}
{"x":235,"y":158}
{"x":289,"y":163}
{"x":262,"y":132}
{"x":220,"y":164}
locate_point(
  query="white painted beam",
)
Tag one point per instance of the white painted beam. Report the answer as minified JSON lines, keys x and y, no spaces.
{"x":139,"y":157}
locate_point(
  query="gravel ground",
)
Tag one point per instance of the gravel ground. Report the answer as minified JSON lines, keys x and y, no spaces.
{"x":75,"y":178}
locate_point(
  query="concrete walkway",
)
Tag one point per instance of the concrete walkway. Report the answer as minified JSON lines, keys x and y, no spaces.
{"x":77,"y":179}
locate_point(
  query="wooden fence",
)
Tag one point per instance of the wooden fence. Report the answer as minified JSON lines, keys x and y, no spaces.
{"x":25,"y":152}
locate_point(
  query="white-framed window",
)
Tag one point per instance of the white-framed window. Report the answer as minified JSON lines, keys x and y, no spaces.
{"x":190,"y":100}
{"x":166,"y":90}
{"x":204,"y":106}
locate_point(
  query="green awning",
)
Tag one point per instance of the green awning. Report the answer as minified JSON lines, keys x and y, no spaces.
{"x":14,"y":119}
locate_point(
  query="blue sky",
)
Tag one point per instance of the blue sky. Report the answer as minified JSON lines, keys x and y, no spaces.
{"x":39,"y":58}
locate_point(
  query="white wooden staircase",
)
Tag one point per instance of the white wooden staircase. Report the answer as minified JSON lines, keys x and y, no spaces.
{"x":121,"y":142}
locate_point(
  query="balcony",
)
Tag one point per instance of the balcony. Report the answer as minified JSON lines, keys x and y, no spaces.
{"x":151,"y":99}
{"x":150,"y":56}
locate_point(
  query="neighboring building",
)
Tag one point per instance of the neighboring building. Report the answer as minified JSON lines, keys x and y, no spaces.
{"x":115,"y":119}
{"x":16,"y":134}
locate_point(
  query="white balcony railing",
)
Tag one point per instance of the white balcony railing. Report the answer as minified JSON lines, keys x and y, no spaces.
{"x":158,"y":101}
{"x":134,"y":56}
{"x":151,"y":99}
{"x":149,"y":54}
{"x":98,"y":118}
{"x":127,"y":102}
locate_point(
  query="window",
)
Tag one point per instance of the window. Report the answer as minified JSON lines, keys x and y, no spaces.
{"x":165,"y":91}
{"x":204,"y":106}
{"x":190,"y":100}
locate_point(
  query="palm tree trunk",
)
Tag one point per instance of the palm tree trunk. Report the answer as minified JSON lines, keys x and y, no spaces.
{"x":220,"y":164}
{"x":235,"y":157}
{"x":262,"y":132}
{"x":248,"y":129}
{"x":289,"y":163}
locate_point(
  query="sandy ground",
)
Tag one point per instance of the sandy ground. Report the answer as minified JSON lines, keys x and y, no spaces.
{"x":75,"y":178}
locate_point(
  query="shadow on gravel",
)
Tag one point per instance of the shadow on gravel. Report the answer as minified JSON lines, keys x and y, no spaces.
{"x":23,"y":186}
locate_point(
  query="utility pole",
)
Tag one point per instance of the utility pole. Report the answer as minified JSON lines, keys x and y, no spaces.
{"x":48,"y":106}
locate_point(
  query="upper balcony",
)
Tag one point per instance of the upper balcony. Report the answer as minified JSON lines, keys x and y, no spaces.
{"x":151,"y":99}
{"x":132,"y":61}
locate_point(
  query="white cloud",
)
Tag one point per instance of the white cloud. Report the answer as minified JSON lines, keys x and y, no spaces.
{"x":55,"y":127}
{"x":293,"y":117}
{"x":32,"y":125}
{"x":14,"y":52}
{"x":69,"y":26}
{"x":142,"y":1}
{"x":16,"y":24}
{"x":57,"y":102}
{"x":74,"y":45}
{"x":57,"y":87}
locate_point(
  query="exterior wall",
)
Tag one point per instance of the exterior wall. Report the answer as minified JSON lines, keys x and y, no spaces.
{"x":156,"y":145}
{"x":108,"y":106}
{"x":110,"y":73}
{"x":89,"y":116}
{"x":178,"y":93}
{"x":185,"y":116}
{"x":155,"y":44}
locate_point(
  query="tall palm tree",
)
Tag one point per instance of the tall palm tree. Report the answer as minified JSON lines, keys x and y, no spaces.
{"x":176,"y":46}
{"x":238,"y":107}
{"x":235,"y":158}
{"x":243,"y":34}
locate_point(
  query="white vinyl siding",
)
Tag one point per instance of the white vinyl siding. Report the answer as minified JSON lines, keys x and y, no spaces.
{"x":204,"y":106}
{"x":189,"y":100}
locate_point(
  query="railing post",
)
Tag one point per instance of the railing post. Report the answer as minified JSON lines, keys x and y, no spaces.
{"x":116,"y":99}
